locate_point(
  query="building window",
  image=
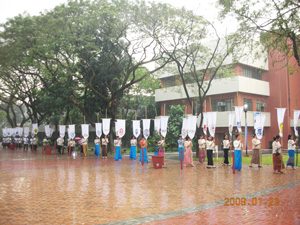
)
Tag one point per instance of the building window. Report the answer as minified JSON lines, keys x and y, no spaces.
{"x":170,"y":81}
{"x":222,"y":105}
{"x":251,"y":73}
{"x":249,"y":103}
{"x":260,"y":105}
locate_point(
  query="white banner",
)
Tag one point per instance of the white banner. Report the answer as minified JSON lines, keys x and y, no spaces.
{"x":98,"y":127}
{"x":106,"y":126}
{"x":260,"y":123}
{"x":19,"y":131}
{"x":136,"y":128}
{"x":296,"y":118}
{"x":238,"y":116}
{"x":117,"y":128}
{"x":62,"y":131}
{"x":280,"y":118}
{"x":192,"y":124}
{"x":212,"y":121}
{"x":157,"y":125}
{"x":184,"y":128}
{"x":254,"y":119}
{"x":163,"y":125}
{"x":231,"y":122}
{"x":204,"y":124}
{"x":47,"y":131}
{"x":26,"y":131}
{"x":35,"y":129}
{"x":121,"y":127}
{"x":85,"y":130}
{"x":4,"y":132}
{"x":146,"y":128}
{"x":71,"y":131}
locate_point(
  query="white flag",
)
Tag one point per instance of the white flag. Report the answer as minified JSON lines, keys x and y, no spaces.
{"x":157,"y":125}
{"x":98,"y":127}
{"x":47,"y":131}
{"x":146,"y":128}
{"x":121,"y":127}
{"x":117,"y":128}
{"x":85,"y":130}
{"x":163,"y":125}
{"x":212,"y":120}
{"x":184,"y":128}
{"x":35,"y":128}
{"x":192,"y":124}
{"x":254,"y":119}
{"x":136,"y":128}
{"x":4,"y":132}
{"x":204,"y":124}
{"x":260,"y":122}
{"x":19,"y":131}
{"x":296,"y":117}
{"x":15,"y":131}
{"x":238,"y":116}
{"x":26,"y":131}
{"x":71,"y":131}
{"x":62,"y":131}
{"x":231,"y":122}
{"x":280,"y":118}
{"x":106,"y":126}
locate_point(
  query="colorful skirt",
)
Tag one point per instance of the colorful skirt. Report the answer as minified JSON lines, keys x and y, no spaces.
{"x":255,"y":157}
{"x":202,"y":155}
{"x":291,"y":159}
{"x":145,"y":156}
{"x":237,"y":160}
{"x":277,"y":162}
{"x":161,"y":152}
{"x":188,"y":157}
{"x":118,"y":154}
{"x":97,"y":150}
{"x":179,"y":150}
{"x":132,"y":154}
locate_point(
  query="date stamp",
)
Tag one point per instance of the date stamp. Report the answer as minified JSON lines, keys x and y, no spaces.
{"x":251,"y":201}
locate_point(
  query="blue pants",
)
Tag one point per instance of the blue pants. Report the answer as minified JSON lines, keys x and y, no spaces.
{"x":179,"y":149}
{"x":145,"y":156}
{"x":132,"y":154}
{"x":238,"y":159}
{"x":97,"y":150}
{"x":118,"y":154}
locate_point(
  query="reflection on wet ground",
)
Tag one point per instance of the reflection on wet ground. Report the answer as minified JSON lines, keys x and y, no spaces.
{"x":49,"y":189}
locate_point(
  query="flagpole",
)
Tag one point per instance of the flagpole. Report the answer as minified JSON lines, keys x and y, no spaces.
{"x":297,"y":137}
{"x":260,"y":149}
{"x":215,"y":133}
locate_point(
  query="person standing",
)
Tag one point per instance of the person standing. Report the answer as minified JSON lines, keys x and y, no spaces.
{"x":181,"y":148}
{"x":291,"y":151}
{"x":161,"y":148}
{"x":104,"y":147}
{"x":97,"y":146}
{"x":226,"y":147}
{"x":277,"y":157}
{"x":118,"y":153}
{"x":84,"y":143}
{"x":72,"y":144}
{"x":237,"y":144}
{"x":188,"y":155}
{"x":60,"y":145}
{"x":34,"y":143}
{"x":202,"y":153}
{"x":255,"y":152}
{"x":133,"y":144}
{"x":25,"y":141}
{"x":210,"y":146}
{"x":143,"y":143}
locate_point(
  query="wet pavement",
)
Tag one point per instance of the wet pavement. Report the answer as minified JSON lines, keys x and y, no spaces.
{"x":59,"y":189}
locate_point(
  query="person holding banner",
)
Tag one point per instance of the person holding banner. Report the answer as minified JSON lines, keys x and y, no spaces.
{"x":118,"y":153}
{"x":133,"y":143}
{"x":237,"y":144}
{"x":84,"y":143}
{"x":25,"y":141}
{"x":180,"y":147}
{"x":143,"y":144}
{"x":210,"y":145}
{"x":255,"y":152}
{"x":60,"y":145}
{"x":226,"y":146}
{"x":72,"y":144}
{"x":291,"y":151}
{"x":277,"y":157}
{"x":34,"y":142}
{"x":202,"y":154}
{"x":188,"y":156}
{"x":97,"y":146}
{"x":104,"y":147}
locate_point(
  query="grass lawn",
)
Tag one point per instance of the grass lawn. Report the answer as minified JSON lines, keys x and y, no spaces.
{"x":266,"y":159}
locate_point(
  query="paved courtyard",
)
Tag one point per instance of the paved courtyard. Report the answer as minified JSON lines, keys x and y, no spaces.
{"x":57,"y":189}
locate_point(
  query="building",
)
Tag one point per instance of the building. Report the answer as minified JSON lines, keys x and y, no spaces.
{"x":259,"y":82}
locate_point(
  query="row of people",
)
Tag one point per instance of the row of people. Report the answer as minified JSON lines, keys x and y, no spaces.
{"x":21,"y":142}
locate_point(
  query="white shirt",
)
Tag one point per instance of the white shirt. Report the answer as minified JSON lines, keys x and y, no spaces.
{"x":97,"y":141}
{"x":25,"y":140}
{"x":84,"y":141}
{"x":201,"y":143}
{"x":72,"y":143}
{"x":104,"y":141}
{"x":255,"y":143}
{"x":133,"y":142}
{"x":60,"y":141}
{"x":34,"y":141}
{"x":118,"y":142}
{"x":291,"y":146}
{"x":210,"y":145}
{"x":276,"y":147}
{"x":237,"y":145}
{"x":226,"y":144}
